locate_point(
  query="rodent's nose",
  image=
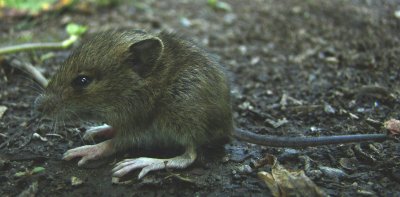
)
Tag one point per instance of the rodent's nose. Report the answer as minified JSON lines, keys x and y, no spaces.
{"x":38,"y":106}
{"x":44,"y":105}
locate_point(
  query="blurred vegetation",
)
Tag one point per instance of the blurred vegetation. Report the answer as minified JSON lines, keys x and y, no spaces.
{"x":219,"y":5}
{"x":30,"y":6}
{"x":35,"y":7}
{"x":74,"y":31}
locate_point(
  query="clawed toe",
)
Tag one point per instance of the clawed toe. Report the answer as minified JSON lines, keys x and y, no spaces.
{"x":150,"y":164}
{"x":128,"y":165}
{"x":76,"y":152}
{"x":83,"y":152}
{"x":89,"y":152}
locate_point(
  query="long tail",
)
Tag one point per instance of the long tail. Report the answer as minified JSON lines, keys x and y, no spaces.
{"x":293,"y":142}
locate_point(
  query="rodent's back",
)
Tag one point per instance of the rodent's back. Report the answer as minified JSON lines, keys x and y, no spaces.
{"x":193,"y":93}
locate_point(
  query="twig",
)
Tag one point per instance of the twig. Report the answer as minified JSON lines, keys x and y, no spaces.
{"x":39,"y":46}
{"x":55,"y":135}
{"x":35,"y":74}
{"x":29,"y":47}
{"x":7,"y":142}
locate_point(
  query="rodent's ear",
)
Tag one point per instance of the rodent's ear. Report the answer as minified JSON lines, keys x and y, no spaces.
{"x":144,"y":54}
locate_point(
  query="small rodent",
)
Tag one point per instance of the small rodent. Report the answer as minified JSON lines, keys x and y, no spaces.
{"x":152,"y":89}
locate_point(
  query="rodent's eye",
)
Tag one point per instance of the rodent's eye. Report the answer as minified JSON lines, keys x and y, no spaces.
{"x":81,"y":81}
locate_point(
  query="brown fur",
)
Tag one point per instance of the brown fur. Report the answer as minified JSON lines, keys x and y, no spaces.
{"x":179,"y":97}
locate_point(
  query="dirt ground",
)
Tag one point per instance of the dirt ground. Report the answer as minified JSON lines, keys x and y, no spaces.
{"x":299,"y":68}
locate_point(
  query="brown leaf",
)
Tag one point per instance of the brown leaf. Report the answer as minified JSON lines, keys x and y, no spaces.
{"x":284,"y":183}
{"x":3,"y":110}
{"x":393,"y":126}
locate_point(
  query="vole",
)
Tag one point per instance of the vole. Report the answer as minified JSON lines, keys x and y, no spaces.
{"x":151,"y":90}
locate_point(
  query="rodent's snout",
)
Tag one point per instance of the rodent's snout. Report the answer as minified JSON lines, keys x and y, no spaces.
{"x":38,"y":105}
{"x":41,"y":106}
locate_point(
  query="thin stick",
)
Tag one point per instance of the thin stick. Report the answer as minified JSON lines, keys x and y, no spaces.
{"x":30,"y":47}
{"x":35,"y":73}
{"x":39,"y":46}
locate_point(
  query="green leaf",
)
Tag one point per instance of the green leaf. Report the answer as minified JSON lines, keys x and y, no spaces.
{"x":37,"y":170}
{"x":47,"y":56}
{"x":219,"y":5}
{"x":212,"y":3}
{"x":20,"y":174}
{"x":223,"y":6}
{"x":75,"y":29}
{"x":31,"y":6}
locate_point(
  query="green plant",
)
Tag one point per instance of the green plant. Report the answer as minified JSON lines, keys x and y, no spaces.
{"x":74,"y":31}
{"x":30,"y":6}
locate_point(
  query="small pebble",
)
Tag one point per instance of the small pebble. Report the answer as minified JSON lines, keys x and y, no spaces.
{"x":333,"y":172}
{"x":397,"y":14}
{"x":237,"y":177}
{"x":243,"y":49}
{"x":314,"y":173}
{"x":75,"y":181}
{"x":289,"y":153}
{"x":329,"y":109}
{"x":185,"y":22}
{"x":38,"y":136}
{"x":245,"y":169}
{"x":3,"y":110}
{"x":255,"y":60}
{"x":229,"y":18}
{"x":315,"y":129}
{"x":360,"y":110}
{"x":225,"y":159}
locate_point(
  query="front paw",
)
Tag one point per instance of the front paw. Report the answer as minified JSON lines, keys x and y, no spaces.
{"x":89,"y":152}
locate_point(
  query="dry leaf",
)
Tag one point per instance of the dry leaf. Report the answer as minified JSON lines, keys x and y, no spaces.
{"x":75,"y":181}
{"x":393,"y":126}
{"x":2,"y":110}
{"x":270,"y":182}
{"x":284,"y":183}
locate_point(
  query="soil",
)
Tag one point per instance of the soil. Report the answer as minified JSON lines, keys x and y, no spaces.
{"x":298,"y":68}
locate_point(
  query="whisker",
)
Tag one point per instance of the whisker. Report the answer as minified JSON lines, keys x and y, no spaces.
{"x":52,"y":130}
{"x":36,"y":91}
{"x":71,"y":112}
{"x":32,"y":120}
{"x":65,"y":126}
{"x":29,"y":69}
{"x":37,"y":87}
{"x":35,"y":84}
{"x":63,"y":121}
{"x":58,"y":126}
